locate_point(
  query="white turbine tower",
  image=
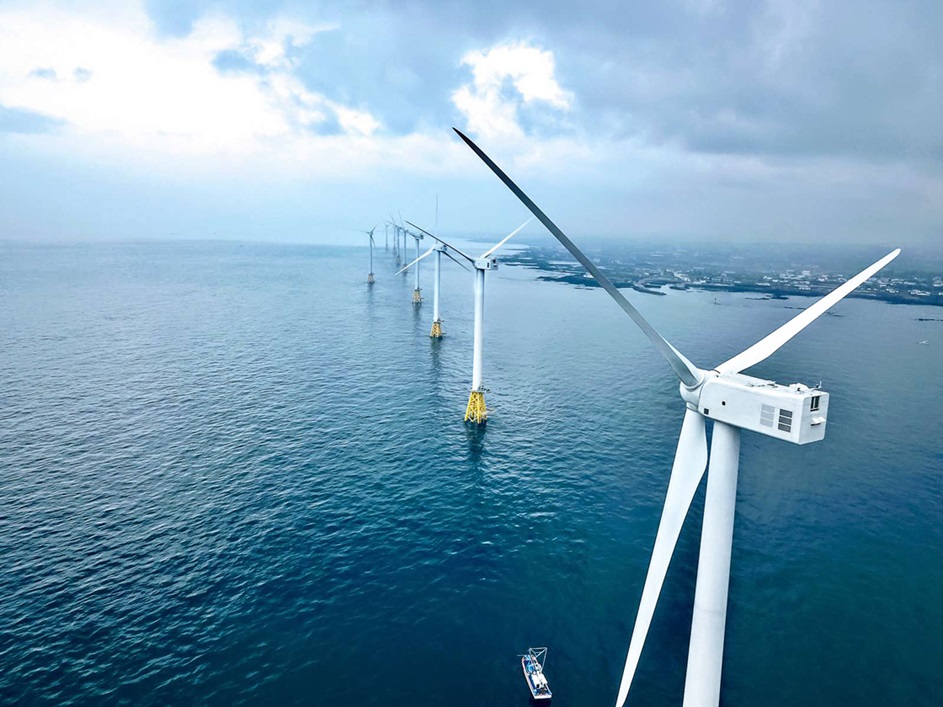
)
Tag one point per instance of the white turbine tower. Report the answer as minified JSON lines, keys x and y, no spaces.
{"x":371,"y":243}
{"x":417,"y":293}
{"x":402,"y":231}
{"x":441,"y":249}
{"x":396,"y":251}
{"x":476,"y":410}
{"x":794,"y":413}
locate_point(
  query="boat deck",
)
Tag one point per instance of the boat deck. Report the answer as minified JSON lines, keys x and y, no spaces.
{"x":533,"y":674}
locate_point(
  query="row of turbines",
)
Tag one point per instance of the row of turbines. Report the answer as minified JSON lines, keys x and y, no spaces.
{"x":475,"y":411}
{"x":730,"y":399}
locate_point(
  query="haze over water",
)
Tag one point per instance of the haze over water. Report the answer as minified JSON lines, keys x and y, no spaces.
{"x":233,"y":474}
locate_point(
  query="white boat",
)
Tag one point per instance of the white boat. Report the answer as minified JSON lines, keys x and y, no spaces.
{"x":534,"y":673}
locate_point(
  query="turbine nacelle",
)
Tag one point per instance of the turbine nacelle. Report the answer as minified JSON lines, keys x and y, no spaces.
{"x":486,"y":263}
{"x":793,"y":413}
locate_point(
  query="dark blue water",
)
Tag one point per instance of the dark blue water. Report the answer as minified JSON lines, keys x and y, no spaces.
{"x":235,"y":474}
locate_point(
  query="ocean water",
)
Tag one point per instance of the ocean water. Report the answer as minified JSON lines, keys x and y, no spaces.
{"x":234,"y":474}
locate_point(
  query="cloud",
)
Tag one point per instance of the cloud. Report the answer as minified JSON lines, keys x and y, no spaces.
{"x":25,"y":122}
{"x":506,"y":80}
{"x":111,"y":76}
{"x":44,"y":73}
{"x":758,"y":118}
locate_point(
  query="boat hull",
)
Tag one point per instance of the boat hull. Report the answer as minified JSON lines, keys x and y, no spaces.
{"x":536,"y":682}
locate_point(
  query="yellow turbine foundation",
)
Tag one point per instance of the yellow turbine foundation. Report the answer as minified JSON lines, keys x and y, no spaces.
{"x":417,"y":296}
{"x":476,"y":411}
{"x":436,"y":332}
{"x":370,"y":279}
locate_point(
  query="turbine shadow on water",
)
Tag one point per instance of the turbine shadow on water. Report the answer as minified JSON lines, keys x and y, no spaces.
{"x":435,"y":358}
{"x":475,"y":434}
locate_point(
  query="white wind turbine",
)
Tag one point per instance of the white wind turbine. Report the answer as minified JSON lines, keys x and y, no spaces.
{"x":402,"y":231}
{"x":794,"y":413}
{"x":396,"y":250}
{"x":369,"y":233}
{"x":417,"y":293}
{"x":441,"y":249}
{"x":476,"y":410}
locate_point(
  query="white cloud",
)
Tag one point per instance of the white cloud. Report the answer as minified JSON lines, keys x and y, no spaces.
{"x":491,"y":111}
{"x":118,"y":81}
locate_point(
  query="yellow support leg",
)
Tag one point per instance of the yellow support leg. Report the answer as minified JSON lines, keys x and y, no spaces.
{"x":417,"y":296}
{"x":436,"y":332}
{"x":476,"y":411}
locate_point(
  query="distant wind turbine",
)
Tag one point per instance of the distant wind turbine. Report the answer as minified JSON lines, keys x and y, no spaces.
{"x":476,"y":410}
{"x":417,"y":293}
{"x":402,"y":231}
{"x":396,"y":252}
{"x":442,"y":248}
{"x":733,"y":401}
{"x":371,"y":243}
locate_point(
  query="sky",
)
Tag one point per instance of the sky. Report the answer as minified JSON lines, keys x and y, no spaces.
{"x":688,"y":120}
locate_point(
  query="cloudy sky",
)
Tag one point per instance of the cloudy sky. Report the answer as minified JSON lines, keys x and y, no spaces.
{"x":291,"y":121}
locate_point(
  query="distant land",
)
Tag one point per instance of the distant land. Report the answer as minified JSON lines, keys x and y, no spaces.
{"x":776,"y":272}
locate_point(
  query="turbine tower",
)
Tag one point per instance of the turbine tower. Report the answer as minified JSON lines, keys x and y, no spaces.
{"x":402,"y":231}
{"x":734,"y":402}
{"x":395,"y":238}
{"x":371,"y":243}
{"x":441,"y":249}
{"x":417,"y":293}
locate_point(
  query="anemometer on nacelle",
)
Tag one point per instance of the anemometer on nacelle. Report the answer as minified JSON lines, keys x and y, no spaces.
{"x":793,"y":413}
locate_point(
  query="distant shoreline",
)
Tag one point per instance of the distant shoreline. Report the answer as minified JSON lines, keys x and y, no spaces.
{"x":558,"y":272}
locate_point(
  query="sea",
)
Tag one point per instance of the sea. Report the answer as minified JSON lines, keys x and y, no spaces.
{"x":234,"y":473}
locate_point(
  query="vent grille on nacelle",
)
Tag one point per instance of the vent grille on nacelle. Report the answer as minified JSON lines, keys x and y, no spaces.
{"x":785,"y":420}
{"x":767,"y":415}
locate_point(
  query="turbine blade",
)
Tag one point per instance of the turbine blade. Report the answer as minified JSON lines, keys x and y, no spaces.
{"x":464,"y":255}
{"x":771,"y":343}
{"x":428,"y":252}
{"x":455,"y":260}
{"x":506,"y":238}
{"x":689,"y":374}
{"x":686,"y":474}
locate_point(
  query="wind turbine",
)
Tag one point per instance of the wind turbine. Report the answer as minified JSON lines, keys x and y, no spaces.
{"x":441,"y":249}
{"x":417,"y":293}
{"x":395,"y":226}
{"x":794,"y":413}
{"x":369,"y":233}
{"x":476,"y":410}
{"x":402,"y":231}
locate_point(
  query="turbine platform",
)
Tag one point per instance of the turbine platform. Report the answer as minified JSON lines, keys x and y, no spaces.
{"x":417,"y":296}
{"x":370,"y":279}
{"x":476,"y":410}
{"x":436,"y":332}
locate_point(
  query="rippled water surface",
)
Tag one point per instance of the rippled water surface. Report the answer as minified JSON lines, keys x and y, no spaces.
{"x":233,"y":474}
